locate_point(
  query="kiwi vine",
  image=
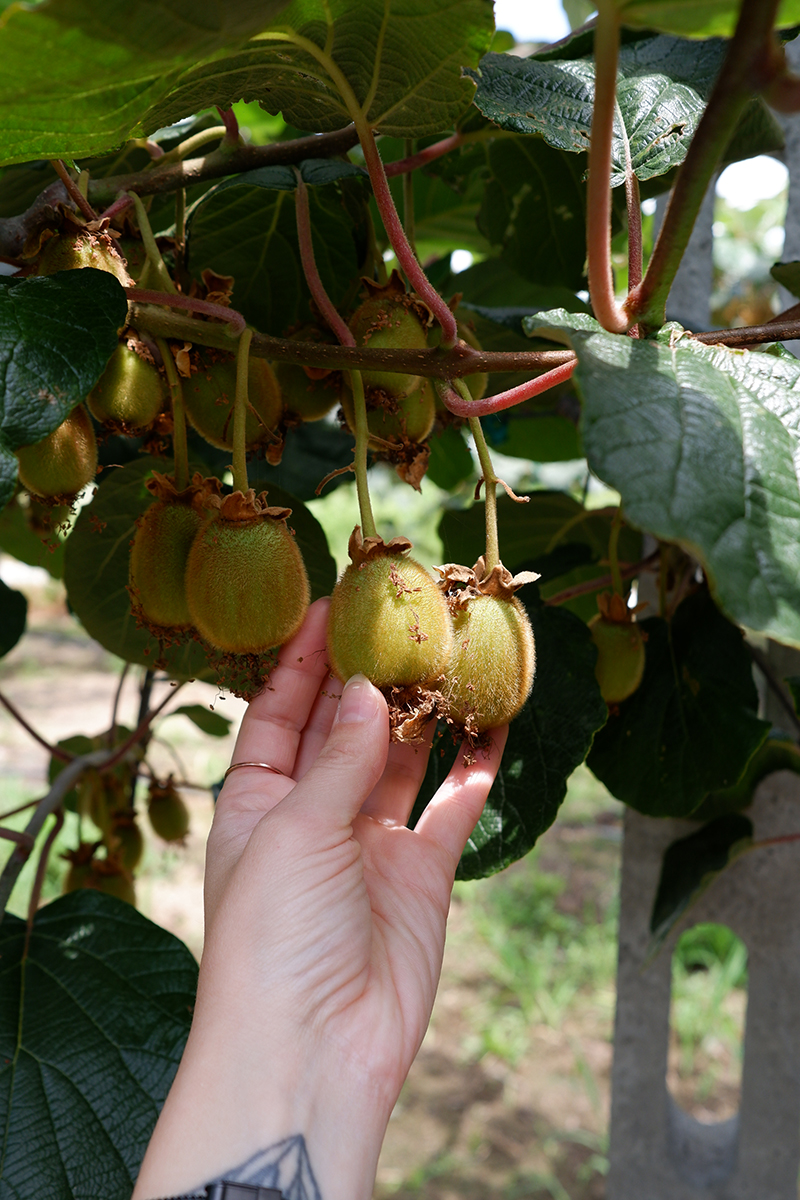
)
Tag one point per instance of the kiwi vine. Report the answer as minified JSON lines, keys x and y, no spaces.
{"x":212,"y":398}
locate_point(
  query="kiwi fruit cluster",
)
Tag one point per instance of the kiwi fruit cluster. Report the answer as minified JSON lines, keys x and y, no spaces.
{"x":462,"y":649}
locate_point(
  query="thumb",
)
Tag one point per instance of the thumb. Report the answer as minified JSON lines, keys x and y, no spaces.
{"x":353,"y":758}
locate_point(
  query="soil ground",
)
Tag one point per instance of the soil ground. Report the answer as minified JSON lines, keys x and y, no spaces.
{"x":509,"y":1095}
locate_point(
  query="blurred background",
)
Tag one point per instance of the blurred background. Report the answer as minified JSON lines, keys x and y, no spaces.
{"x":509,"y":1095}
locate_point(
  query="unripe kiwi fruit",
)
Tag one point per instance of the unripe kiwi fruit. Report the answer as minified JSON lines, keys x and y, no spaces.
{"x":389,"y":621}
{"x":64,"y":462}
{"x":490,"y":672}
{"x":157,"y":569}
{"x":307,"y":392}
{"x":125,"y":841}
{"x":390,"y":319}
{"x":76,"y":250}
{"x":246,"y":583}
{"x":167,"y":812}
{"x":110,"y":877}
{"x":80,"y":865}
{"x":129,"y":394}
{"x":407,"y":419}
{"x":210,"y":394}
{"x":620,"y":657}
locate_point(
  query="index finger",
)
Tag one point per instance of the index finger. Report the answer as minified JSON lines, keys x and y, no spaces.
{"x":273,"y":723}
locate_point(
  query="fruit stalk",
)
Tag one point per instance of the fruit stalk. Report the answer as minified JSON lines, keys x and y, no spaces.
{"x":180,"y":448}
{"x":153,"y":252}
{"x":315,"y":284}
{"x":368,"y":526}
{"x":490,"y":481}
{"x":613,"y":557}
{"x":598,"y":197}
{"x":72,"y":188}
{"x":239,"y":466}
{"x":633,"y":204}
{"x":235,"y":322}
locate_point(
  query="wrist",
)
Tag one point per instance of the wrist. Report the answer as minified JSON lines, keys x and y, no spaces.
{"x":224,"y":1113}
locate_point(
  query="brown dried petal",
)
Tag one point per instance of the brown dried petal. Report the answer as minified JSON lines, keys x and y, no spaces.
{"x":246,"y":506}
{"x":362,"y":549}
{"x":197,"y":492}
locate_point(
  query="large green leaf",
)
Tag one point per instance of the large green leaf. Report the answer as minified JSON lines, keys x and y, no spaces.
{"x":57,"y":332}
{"x":93,"y":1021}
{"x":692,"y":726}
{"x":545,"y":744}
{"x":662,"y":87}
{"x":402,"y":60}
{"x":777,"y":753}
{"x":96,"y":568}
{"x":77,"y":82}
{"x":689,"y":867}
{"x":13,"y":617}
{"x":534,"y":207}
{"x":696,"y":18}
{"x":247,"y":227}
{"x":703,"y":445}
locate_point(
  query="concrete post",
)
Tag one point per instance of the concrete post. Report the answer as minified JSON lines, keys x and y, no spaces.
{"x":659,"y":1152}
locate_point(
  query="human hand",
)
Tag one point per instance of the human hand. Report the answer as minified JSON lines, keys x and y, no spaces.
{"x":325,"y":924}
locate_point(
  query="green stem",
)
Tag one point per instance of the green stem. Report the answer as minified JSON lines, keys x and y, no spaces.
{"x":368,"y":527}
{"x":215,"y":134}
{"x":153,"y":252}
{"x":492,"y":555}
{"x":180,"y":448}
{"x":408,"y":199}
{"x":239,"y":467}
{"x":747,"y":68}
{"x":180,"y":229}
{"x":598,"y":196}
{"x":613,"y":557}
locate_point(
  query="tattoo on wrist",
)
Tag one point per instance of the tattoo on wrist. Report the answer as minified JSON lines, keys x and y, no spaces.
{"x":285,"y":1166}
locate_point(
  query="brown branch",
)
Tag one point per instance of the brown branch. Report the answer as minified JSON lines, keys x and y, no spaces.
{"x":776,"y":330}
{"x":172,"y":176}
{"x":56,"y":751}
{"x":41,"y":867}
{"x":139,"y":732}
{"x":455,"y":363}
{"x":47,"y":805}
{"x":594,"y":585}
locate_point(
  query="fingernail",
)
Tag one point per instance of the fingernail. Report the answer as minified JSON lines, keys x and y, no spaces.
{"x":358,"y":700}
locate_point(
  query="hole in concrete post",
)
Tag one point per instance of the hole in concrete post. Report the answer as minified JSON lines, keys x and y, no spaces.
{"x":707,"y":1015}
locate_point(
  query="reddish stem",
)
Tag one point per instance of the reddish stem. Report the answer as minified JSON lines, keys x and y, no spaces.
{"x":119,"y":206}
{"x":315,"y":284}
{"x":602,"y":581}
{"x":230,"y":316}
{"x":55,"y":751}
{"x":634,"y":204}
{"x":492,"y":404}
{"x":228,"y":118}
{"x":429,"y":154}
{"x":75,"y":192}
{"x":400,"y":244}
{"x":138,"y":733}
{"x":598,"y":196}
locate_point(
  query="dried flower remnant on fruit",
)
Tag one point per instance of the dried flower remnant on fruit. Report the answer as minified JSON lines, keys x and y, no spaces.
{"x":620,"y":648}
{"x":389,"y":621}
{"x":490,"y":672}
{"x":80,"y":244}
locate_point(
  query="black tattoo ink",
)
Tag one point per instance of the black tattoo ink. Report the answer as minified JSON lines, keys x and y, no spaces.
{"x":285,"y":1166}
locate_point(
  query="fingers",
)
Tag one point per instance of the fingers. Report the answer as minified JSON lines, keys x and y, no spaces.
{"x":274,"y":721}
{"x":392,"y":798}
{"x":453,"y":812}
{"x":319,"y":725}
{"x":352,"y":760}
